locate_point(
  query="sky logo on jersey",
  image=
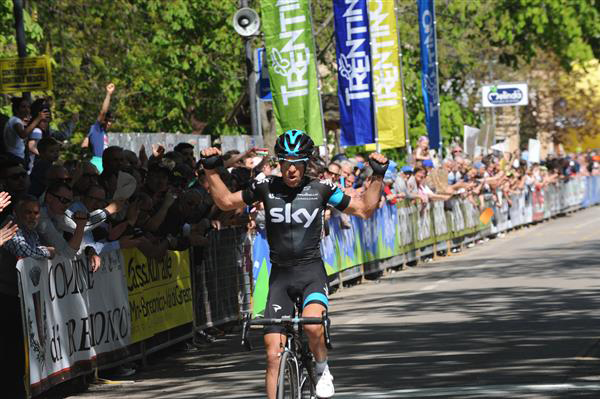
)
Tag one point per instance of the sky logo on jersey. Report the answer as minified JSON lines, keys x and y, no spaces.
{"x":285,"y":215}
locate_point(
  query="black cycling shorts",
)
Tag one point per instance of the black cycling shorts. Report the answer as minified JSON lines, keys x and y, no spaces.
{"x":308,"y":282}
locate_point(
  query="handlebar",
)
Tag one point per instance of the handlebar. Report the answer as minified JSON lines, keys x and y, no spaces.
{"x":285,"y":321}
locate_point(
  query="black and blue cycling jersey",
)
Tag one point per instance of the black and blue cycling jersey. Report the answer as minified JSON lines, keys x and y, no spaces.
{"x":294,"y":216}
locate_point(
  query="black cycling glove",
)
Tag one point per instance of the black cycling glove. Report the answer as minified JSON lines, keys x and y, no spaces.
{"x":378,"y":168}
{"x":212,"y":162}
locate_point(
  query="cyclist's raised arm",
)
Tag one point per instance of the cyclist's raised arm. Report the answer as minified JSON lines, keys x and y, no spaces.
{"x":224,"y":199}
{"x":364,"y":206}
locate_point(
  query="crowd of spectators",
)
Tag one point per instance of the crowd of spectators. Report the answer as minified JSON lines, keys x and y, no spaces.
{"x":158,"y":201}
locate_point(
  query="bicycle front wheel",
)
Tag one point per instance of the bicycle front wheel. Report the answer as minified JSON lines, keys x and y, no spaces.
{"x":287,"y":383}
{"x":307,"y":379}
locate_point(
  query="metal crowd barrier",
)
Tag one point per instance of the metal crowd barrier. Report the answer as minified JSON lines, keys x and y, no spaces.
{"x":405,"y":232}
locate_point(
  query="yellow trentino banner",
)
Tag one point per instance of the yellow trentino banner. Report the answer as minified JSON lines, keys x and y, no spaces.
{"x":385,"y":66}
{"x":160,"y":292}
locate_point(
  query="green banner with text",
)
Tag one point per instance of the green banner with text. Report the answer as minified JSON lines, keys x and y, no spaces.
{"x":292,"y":66}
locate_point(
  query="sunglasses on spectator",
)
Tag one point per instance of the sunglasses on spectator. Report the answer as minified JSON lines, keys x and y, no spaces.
{"x":20,"y":175}
{"x":61,"y":199}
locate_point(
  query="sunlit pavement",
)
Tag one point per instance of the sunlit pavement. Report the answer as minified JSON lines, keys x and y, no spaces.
{"x":515,"y":317}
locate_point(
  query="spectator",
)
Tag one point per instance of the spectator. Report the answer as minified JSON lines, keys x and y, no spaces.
{"x":67,"y":128}
{"x":400,"y":183}
{"x":333,"y":172}
{"x":187,"y":151}
{"x":48,"y":150}
{"x":157,"y":181}
{"x":456,"y":151}
{"x":113,"y":161}
{"x":19,"y":127}
{"x":24,"y":243}
{"x":89,"y":177}
{"x":57,"y":200}
{"x":14,"y":180}
{"x":97,"y":138}
{"x":422,"y":150}
{"x":130,"y":160}
{"x":189,"y":209}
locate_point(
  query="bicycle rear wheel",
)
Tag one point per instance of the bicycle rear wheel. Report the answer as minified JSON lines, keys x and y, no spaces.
{"x":287,"y":382}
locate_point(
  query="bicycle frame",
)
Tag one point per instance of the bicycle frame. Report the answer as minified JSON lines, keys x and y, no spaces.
{"x":295,"y":345}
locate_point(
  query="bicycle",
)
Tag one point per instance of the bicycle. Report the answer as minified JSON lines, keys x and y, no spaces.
{"x":297,"y":378}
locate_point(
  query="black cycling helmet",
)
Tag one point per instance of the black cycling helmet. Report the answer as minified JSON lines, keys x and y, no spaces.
{"x":294,"y":143}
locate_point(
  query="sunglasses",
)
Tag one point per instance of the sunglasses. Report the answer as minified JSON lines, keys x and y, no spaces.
{"x":61,"y":199}
{"x":289,"y":162}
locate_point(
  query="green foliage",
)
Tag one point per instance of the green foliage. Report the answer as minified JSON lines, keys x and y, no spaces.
{"x":169,"y":59}
{"x":180,"y":61}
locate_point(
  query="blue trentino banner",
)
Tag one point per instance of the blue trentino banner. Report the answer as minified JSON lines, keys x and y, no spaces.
{"x":429,"y":78}
{"x":354,"y":71}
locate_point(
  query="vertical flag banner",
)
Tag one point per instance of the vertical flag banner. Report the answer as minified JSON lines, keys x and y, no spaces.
{"x":385,"y":66}
{"x":354,"y":71}
{"x":429,"y":78}
{"x":292,"y":66}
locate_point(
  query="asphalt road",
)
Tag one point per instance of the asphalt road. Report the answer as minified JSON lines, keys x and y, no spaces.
{"x":515,"y":317}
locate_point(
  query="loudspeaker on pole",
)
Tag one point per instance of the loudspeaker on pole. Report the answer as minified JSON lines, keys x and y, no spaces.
{"x":246,"y":22}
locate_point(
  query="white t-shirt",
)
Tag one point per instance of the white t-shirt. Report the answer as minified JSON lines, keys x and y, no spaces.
{"x":12,"y":142}
{"x":36,"y":135}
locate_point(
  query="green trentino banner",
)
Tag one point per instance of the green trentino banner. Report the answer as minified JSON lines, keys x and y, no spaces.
{"x":292,"y":66}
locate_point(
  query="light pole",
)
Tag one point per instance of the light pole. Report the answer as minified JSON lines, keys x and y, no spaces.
{"x":247,"y":24}
{"x":20,"y":34}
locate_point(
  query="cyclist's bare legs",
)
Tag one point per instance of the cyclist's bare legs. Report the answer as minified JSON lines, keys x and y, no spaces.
{"x":314,"y":332}
{"x":274,"y":344}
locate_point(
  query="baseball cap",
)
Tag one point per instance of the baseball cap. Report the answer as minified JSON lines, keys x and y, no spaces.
{"x":428,"y":163}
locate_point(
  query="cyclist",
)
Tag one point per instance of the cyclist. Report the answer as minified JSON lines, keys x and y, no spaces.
{"x":294,"y":206}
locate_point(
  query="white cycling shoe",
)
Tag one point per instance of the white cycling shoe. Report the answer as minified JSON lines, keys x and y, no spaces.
{"x":324,"y":387}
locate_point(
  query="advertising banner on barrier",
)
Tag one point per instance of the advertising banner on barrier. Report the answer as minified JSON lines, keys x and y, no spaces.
{"x":160,"y":292}
{"x":386,"y":73}
{"x":292,"y":66}
{"x":429,"y":77}
{"x":354,"y":72}
{"x":74,"y":320}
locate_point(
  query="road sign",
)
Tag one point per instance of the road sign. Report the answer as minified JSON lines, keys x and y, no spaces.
{"x":25,"y":74}
{"x":505,"y":95}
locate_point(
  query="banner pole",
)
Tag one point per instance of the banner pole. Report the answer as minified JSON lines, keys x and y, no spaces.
{"x":373,"y":94}
{"x":319,"y":83}
{"x":406,"y":137}
{"x":437,"y":79}
{"x":374,"y":108}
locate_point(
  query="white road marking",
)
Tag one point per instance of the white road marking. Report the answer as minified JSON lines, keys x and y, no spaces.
{"x":432,"y":286}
